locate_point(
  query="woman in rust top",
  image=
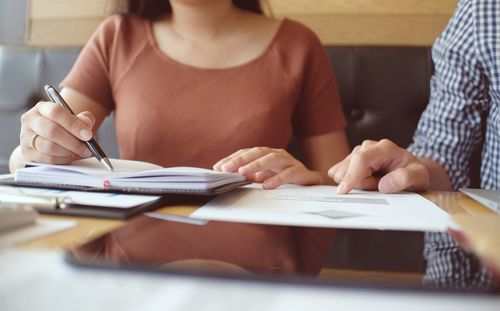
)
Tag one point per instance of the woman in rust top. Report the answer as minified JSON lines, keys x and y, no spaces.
{"x":193,"y":81}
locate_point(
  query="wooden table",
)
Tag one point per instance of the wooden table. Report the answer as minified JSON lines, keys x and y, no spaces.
{"x":89,"y":228}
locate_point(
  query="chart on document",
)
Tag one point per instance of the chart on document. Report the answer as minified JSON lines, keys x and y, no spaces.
{"x":320,"y":206}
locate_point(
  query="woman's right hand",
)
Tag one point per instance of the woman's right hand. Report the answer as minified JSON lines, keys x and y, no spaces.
{"x":51,"y":134}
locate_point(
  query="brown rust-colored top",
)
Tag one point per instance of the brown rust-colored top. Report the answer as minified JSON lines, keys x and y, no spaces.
{"x":174,"y":114}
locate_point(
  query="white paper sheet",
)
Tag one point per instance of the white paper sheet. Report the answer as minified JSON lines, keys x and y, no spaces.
{"x":320,"y":206}
{"x":104,"y":199}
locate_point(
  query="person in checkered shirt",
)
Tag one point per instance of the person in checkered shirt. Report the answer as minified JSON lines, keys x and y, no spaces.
{"x":465,"y":100}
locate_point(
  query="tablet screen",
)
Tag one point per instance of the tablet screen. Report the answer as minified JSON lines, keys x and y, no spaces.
{"x":287,"y":254}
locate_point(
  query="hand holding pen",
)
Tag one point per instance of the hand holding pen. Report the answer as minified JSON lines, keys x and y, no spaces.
{"x":51,"y":133}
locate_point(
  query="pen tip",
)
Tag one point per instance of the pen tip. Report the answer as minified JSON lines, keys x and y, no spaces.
{"x":107,"y":163}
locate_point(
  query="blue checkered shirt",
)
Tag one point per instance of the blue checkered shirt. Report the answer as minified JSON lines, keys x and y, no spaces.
{"x":465,"y":97}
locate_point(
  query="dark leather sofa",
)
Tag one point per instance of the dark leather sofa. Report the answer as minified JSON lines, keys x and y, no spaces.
{"x":384,"y":90}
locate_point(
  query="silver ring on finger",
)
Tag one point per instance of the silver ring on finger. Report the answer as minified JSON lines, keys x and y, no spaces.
{"x":32,"y":141}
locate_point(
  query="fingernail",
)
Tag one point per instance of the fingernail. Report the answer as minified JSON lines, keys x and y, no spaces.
{"x":87,"y":153}
{"x":268,"y":185}
{"x":243,"y":169}
{"x":87,"y":121}
{"x":341,"y":187}
{"x":228,"y":167}
{"x":385,"y":185}
{"x":85,"y":134}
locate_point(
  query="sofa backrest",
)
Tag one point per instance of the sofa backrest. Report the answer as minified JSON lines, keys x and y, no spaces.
{"x":383,"y":90}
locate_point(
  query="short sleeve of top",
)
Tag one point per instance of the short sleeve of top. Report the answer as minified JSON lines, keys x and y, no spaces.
{"x":91,"y":73}
{"x":319,"y":108}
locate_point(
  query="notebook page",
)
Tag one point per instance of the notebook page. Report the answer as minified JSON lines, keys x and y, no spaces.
{"x":92,"y":167}
{"x":85,"y":172}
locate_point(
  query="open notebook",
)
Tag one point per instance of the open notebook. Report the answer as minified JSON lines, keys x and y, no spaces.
{"x":129,"y":176}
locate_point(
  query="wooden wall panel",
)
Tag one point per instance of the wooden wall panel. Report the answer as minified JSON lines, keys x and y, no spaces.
{"x":53,"y":9}
{"x":358,"y":7}
{"x":375,"y":30}
{"x":63,"y":22}
{"x":337,"y":22}
{"x":62,"y":31}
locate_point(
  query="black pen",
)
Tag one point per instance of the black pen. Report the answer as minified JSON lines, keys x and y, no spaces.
{"x":93,"y":146}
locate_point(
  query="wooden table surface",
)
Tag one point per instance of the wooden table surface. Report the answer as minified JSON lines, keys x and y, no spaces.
{"x":87,"y":229}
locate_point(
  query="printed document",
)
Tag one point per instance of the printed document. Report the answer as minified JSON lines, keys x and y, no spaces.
{"x":321,"y":206}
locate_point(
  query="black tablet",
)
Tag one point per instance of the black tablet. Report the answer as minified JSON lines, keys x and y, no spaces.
{"x":270,"y":253}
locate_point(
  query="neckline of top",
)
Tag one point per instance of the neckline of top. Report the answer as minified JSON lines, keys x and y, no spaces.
{"x":163,"y":55}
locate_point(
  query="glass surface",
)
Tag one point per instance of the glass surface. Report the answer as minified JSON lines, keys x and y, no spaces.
{"x":285,"y":253}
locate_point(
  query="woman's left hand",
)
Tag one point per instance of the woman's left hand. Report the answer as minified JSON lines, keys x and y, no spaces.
{"x":272,"y":167}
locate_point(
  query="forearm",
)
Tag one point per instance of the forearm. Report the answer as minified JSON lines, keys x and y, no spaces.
{"x":322,"y":151}
{"x":438,"y":177}
{"x":16,"y":160}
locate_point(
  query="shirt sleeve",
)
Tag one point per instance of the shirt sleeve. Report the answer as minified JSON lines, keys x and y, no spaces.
{"x":319,"y":109}
{"x":449,"y":266}
{"x":90,"y":74}
{"x":451,"y":126}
